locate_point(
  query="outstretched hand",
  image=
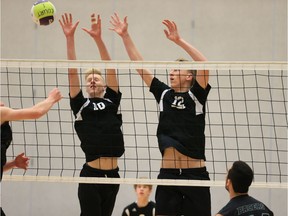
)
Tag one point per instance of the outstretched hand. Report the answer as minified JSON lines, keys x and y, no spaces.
{"x":95,"y":31}
{"x":67,"y":24}
{"x":172,"y":32}
{"x":21,"y":161}
{"x":120,"y":27}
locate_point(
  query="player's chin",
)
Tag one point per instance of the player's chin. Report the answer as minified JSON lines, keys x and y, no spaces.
{"x":92,"y":93}
{"x":172,"y":85}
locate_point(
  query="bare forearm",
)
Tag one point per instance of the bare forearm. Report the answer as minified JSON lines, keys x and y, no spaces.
{"x":42,"y":108}
{"x":9,"y":165}
{"x":202,"y":75}
{"x":195,"y":54}
{"x":71,"y":53}
{"x":131,"y":49}
{"x":134,"y":55}
{"x":102,"y":49}
{"x":111,"y":78}
{"x":74,"y":82}
{"x":35,"y":112}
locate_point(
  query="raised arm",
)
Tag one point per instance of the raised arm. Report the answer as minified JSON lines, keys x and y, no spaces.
{"x":95,"y":33}
{"x":38,"y":110}
{"x":69,"y":30}
{"x":121,"y":28}
{"x":173,"y":35}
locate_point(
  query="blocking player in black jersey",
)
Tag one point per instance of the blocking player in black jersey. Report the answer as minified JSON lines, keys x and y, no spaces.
{"x":143,"y":206}
{"x":9,"y":114}
{"x":181,"y":126}
{"x":97,"y":123}
{"x":238,"y":181}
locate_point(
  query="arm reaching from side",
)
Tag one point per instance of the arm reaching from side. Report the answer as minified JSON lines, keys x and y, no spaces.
{"x":20,"y":161}
{"x":35,"y":112}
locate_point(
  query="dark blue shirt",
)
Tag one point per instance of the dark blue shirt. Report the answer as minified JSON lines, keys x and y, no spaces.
{"x":245,"y":205}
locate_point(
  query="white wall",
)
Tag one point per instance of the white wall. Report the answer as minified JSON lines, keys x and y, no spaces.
{"x":222,"y":30}
{"x":226,"y":30}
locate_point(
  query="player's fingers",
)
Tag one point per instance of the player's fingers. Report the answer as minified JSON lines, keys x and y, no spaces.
{"x":166,"y":33}
{"x":174,"y":25}
{"x":125,"y":19}
{"x":165,"y":24}
{"x":98,"y":19}
{"x":117,"y":17}
{"x":86,"y":30}
{"x":76,"y":24}
{"x":70,"y":18}
{"x":113,"y":19}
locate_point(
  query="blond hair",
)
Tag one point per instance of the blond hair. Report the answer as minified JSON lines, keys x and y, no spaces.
{"x":93,"y":71}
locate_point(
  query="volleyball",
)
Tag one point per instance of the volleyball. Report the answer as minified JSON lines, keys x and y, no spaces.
{"x":43,"y":12}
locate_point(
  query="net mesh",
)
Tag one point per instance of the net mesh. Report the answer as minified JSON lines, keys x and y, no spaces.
{"x":246,"y":120}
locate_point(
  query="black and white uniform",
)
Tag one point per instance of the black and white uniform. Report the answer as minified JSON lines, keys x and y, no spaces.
{"x":182,"y":126}
{"x":134,"y":210}
{"x":245,"y":205}
{"x":98,"y":126}
{"x":6,"y":139}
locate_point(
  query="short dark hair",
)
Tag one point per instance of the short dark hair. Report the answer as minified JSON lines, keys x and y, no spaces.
{"x":241,"y":176}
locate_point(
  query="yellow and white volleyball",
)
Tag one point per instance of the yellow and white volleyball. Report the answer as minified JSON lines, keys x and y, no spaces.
{"x":43,"y":12}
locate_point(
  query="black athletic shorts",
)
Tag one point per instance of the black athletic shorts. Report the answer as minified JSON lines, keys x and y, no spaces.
{"x":183,"y":200}
{"x":97,"y":199}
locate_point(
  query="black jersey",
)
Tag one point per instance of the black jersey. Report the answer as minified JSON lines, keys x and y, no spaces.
{"x":98,"y":125}
{"x":134,"y":210}
{"x":6,"y":138}
{"x":245,"y":205}
{"x":182,"y":118}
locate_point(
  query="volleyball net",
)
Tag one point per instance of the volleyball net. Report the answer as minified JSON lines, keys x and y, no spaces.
{"x":246,"y":120}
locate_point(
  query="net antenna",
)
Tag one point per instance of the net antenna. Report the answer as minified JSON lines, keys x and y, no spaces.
{"x":246,"y":120}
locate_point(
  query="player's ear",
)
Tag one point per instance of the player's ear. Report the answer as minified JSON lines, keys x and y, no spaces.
{"x":228,"y":184}
{"x":189,"y":76}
